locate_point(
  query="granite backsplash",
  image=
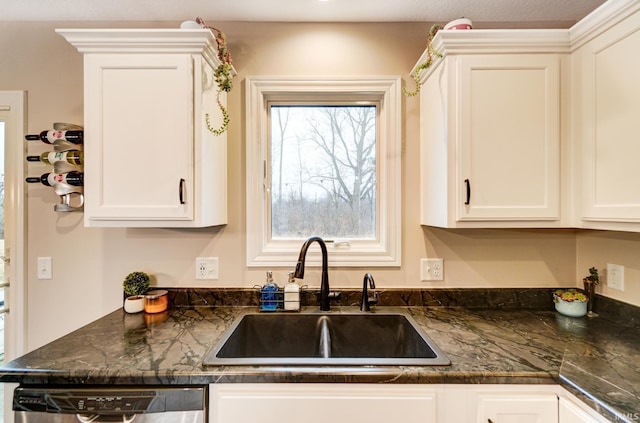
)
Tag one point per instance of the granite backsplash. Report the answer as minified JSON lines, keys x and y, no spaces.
{"x":534,"y":299}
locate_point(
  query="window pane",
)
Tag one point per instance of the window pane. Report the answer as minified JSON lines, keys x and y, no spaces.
{"x":323,"y":171}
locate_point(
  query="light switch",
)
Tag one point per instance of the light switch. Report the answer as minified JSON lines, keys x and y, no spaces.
{"x":44,"y":268}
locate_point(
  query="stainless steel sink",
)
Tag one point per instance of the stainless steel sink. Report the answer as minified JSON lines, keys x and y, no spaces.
{"x":325,"y":339}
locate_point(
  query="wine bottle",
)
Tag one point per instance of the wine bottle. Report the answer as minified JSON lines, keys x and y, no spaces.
{"x":74,"y":157}
{"x":51,"y":179}
{"x":48,"y":137}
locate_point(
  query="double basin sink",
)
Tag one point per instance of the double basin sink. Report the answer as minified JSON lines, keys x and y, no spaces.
{"x":326,"y":339}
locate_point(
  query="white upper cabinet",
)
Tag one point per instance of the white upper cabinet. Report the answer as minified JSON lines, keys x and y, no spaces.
{"x":150,"y":160}
{"x":534,"y":128}
{"x":606,"y":112}
{"x":490,"y":129}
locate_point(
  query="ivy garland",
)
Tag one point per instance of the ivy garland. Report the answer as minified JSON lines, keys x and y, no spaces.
{"x":426,"y":64}
{"x":223,"y":76}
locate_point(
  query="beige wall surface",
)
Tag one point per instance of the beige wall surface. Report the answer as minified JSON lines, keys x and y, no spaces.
{"x":89,"y":264}
{"x":597,"y":248}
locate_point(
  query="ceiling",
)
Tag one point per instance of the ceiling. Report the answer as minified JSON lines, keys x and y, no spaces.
{"x":509,"y":13}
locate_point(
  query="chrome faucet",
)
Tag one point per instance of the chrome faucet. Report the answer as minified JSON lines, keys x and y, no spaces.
{"x":366,"y":300}
{"x":325,"y":295}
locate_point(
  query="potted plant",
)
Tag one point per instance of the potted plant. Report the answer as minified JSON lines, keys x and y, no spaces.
{"x":456,"y":24}
{"x":223,"y":74}
{"x":593,"y":277}
{"x":426,"y":64}
{"x":590,"y":283}
{"x":570,"y":302}
{"x":135,"y":285}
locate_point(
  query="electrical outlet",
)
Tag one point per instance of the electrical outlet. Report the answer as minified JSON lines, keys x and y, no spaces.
{"x":615,"y":276}
{"x":44,"y":270}
{"x":207,"y":268}
{"x":432,"y":269}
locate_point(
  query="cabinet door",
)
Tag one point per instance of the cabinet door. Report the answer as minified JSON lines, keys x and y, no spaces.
{"x":521,"y":408}
{"x":319,"y":403}
{"x":607,"y":127}
{"x":139,"y":132}
{"x":508,"y":110}
{"x":569,"y":412}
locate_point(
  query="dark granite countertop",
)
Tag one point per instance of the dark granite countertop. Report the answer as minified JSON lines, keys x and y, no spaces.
{"x":593,"y":358}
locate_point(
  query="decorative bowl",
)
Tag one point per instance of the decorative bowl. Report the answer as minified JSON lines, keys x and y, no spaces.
{"x":571,"y":308}
{"x":462,"y":23}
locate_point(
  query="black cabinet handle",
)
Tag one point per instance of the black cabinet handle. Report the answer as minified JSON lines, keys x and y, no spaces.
{"x":489,"y":421}
{"x":468,"y":184}
{"x":181,"y":190}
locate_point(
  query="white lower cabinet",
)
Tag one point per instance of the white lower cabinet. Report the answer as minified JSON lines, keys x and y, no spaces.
{"x":573,"y":411}
{"x":517,"y":408}
{"x":502,"y":403}
{"x":319,"y":403}
{"x":378,"y":403}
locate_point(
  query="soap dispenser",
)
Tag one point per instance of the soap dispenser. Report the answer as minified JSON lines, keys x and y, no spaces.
{"x":292,"y":294}
{"x":269,"y":295}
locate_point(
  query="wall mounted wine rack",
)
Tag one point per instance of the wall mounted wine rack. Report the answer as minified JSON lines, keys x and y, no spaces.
{"x":67,"y":160}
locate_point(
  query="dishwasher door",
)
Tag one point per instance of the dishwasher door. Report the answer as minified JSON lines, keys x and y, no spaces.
{"x":87,"y":405}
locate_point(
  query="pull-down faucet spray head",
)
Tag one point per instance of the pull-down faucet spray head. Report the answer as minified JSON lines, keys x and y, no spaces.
{"x":299,"y":273}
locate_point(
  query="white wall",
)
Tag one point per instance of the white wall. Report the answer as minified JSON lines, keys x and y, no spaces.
{"x":89,"y":264}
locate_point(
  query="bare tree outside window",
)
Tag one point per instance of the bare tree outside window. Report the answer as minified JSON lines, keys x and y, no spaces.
{"x":323,"y":171}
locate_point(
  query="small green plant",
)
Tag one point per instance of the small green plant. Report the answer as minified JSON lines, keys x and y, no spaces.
{"x":569,"y":295}
{"x":593,"y":276}
{"x":136,"y":283}
{"x":223,"y":74}
{"x":426,"y":64}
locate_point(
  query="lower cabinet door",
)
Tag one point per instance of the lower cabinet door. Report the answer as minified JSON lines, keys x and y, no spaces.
{"x":517,"y":408}
{"x":570,"y":412}
{"x":321,"y":403}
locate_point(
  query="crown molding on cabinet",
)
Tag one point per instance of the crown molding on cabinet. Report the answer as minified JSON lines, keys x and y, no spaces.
{"x":144,"y":41}
{"x":494,"y":41}
{"x":600,"y":20}
{"x":487,"y":41}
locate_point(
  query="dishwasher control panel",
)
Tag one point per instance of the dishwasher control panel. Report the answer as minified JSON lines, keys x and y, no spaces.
{"x":100,"y":404}
{"x":108,"y":401}
{"x":94,"y":403}
{"x":117,"y":403}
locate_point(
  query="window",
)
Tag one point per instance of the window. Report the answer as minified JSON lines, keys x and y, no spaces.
{"x":323,"y":158}
{"x":322,"y":171}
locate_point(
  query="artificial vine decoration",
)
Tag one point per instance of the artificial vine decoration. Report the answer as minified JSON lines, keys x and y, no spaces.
{"x":426,"y":64}
{"x":223,"y":75}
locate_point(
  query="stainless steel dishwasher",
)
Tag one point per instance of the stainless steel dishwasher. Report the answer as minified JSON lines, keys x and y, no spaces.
{"x":85,"y":405}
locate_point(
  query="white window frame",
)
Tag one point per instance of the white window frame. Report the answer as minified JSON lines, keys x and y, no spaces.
{"x":13,"y":111}
{"x":385,"y":251}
